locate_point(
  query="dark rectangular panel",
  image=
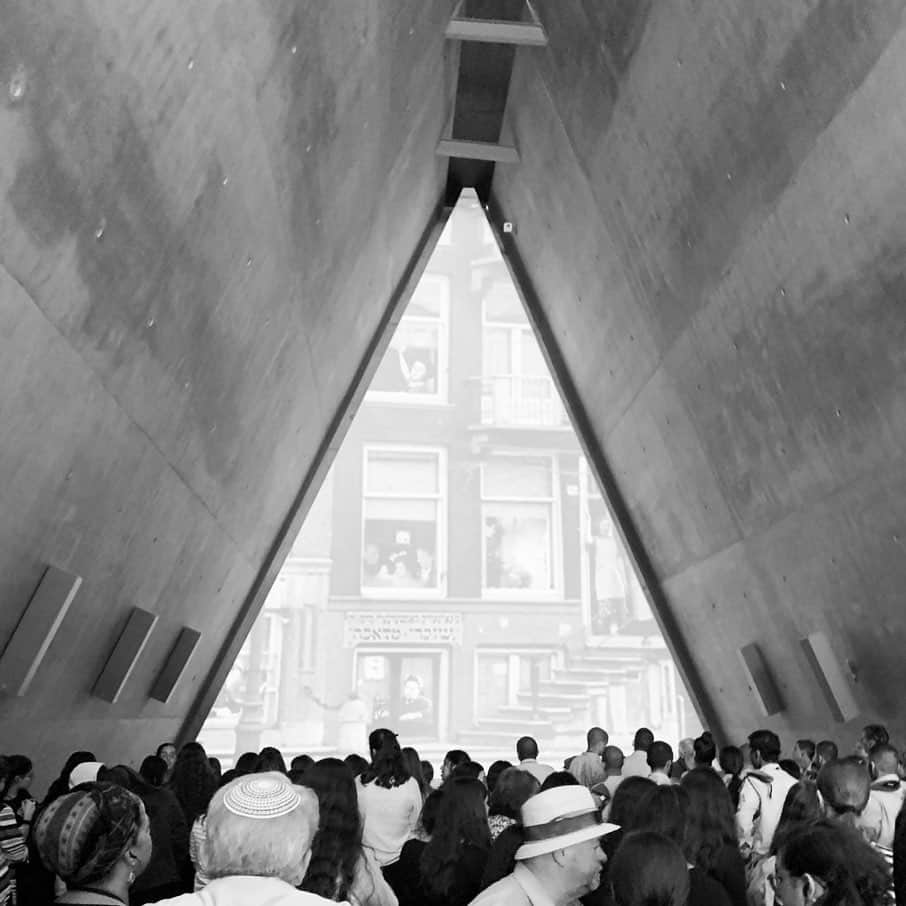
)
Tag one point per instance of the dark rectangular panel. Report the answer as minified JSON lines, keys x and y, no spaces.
{"x":830,"y":676}
{"x":176,"y":664}
{"x":761,"y":680}
{"x":36,"y":629}
{"x":125,"y":654}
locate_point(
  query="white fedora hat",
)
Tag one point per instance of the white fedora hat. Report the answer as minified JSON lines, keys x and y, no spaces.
{"x":558,"y":818}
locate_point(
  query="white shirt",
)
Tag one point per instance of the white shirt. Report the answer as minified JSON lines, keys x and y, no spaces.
{"x":539,"y":771}
{"x":660,"y":778}
{"x":241,"y":890}
{"x":636,"y":764}
{"x":760,"y":804}
{"x":389,"y":815}
{"x":521,"y":888}
{"x":890,"y":801}
{"x":588,"y":769}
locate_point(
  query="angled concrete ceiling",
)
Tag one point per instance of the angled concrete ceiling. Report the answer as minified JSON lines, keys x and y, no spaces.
{"x":212,"y":210}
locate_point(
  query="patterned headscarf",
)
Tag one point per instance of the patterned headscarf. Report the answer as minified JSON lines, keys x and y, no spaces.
{"x":81,"y":836}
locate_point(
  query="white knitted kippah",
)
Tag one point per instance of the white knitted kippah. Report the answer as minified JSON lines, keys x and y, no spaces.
{"x":261,"y":797}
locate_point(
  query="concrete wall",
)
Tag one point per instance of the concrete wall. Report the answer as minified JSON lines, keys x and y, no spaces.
{"x":205,"y":210}
{"x":710,"y":207}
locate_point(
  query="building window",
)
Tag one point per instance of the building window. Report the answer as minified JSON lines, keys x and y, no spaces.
{"x":507,"y":679}
{"x":403,"y":520}
{"x":518,"y":497}
{"x":414,"y":368}
{"x":517,"y":389}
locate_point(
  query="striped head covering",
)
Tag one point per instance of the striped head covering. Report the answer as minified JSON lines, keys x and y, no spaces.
{"x":81,"y":836}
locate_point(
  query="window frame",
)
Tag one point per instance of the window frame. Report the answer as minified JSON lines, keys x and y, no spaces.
{"x":554,"y":504}
{"x":387,"y":593}
{"x":441,"y":395}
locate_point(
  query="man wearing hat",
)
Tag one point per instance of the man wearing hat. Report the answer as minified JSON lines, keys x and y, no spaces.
{"x":561,"y":858}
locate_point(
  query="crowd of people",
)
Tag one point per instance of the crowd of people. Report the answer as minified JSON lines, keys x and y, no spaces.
{"x":739,"y":826}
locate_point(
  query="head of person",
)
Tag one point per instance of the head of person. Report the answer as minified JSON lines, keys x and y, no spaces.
{"x":75,"y":759}
{"x":643,"y":739}
{"x":526,"y":748}
{"x":764,"y":746}
{"x":494,"y":772}
{"x":95,"y":836}
{"x":430,"y":808}
{"x":711,"y":816}
{"x":246,"y":763}
{"x":414,"y":766}
{"x":884,"y":760}
{"x":562,"y":831}
{"x":17,"y":776}
{"x":559,"y":778}
{"x":596,"y":740}
{"x":357,"y":764}
{"x":825,"y":751}
{"x":648,"y":869}
{"x":261,"y":825}
{"x":830,"y":864}
{"x":804,"y":753}
{"x":461,"y":821}
{"x":613,"y":759}
{"x":412,"y":688}
{"x":660,"y":756}
{"x":800,"y":807}
{"x":387,"y":768}
{"x":665,"y":810}
{"x":452,"y":760}
{"x":129,"y":779}
{"x":86,"y":772}
{"x":703,"y":750}
{"x":627,"y":799}
{"x":192,"y":780}
{"x":686,"y":753}
{"x":731,"y":760}
{"x":167,"y":751}
{"x":301,"y":763}
{"x":471,"y":770}
{"x":216,"y":768}
{"x":427,"y":772}
{"x":791,"y":767}
{"x":845,"y":786}
{"x":512,"y":790}
{"x":153,"y":770}
{"x":270,"y":759}
{"x":872,"y":735}
{"x":336,"y":847}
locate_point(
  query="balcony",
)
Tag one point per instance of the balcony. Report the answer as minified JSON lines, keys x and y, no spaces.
{"x":518,"y":401}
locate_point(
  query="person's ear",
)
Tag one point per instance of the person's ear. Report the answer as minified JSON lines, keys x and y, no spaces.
{"x":812,"y":888}
{"x":557,"y":856}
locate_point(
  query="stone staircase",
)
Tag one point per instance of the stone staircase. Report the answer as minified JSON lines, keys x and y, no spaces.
{"x":563,"y":705}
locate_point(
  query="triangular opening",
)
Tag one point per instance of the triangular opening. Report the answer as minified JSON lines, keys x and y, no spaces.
{"x":460,"y":577}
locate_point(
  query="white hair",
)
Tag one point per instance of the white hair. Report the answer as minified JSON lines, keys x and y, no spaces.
{"x":264,"y":847}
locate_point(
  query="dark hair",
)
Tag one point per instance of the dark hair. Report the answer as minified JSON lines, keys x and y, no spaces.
{"x":559,"y":778}
{"x":665,"y":810}
{"x":704,"y":748}
{"x":660,"y":754}
{"x":626,"y":799}
{"x":357,"y":764}
{"x":414,"y":767}
{"x":427,"y":773}
{"x":461,"y":822}
{"x":513,"y":787}
{"x":192,"y":780}
{"x":711,"y":816}
{"x":471,"y":770}
{"x":60,"y":786}
{"x":456,"y":757}
{"x":245,"y":764}
{"x":337,"y":846}
{"x":216,"y":768}
{"x":852,"y":873}
{"x":304,"y":762}
{"x":643,"y":739}
{"x":14,"y":766}
{"x":731,"y":760}
{"x":270,"y":759}
{"x":790,"y":766}
{"x":766,"y":743}
{"x":807,"y":746}
{"x":163,"y":746}
{"x":387,"y":768}
{"x":428,"y":817}
{"x":154,"y":770}
{"x":827,"y":750}
{"x":494,"y":773}
{"x":129,"y":779}
{"x":875,"y":734}
{"x":613,"y":758}
{"x":801,"y":806}
{"x":596,"y":735}
{"x":526,"y":747}
{"x":648,"y":869}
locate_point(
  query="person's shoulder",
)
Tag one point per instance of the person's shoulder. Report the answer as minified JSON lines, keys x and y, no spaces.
{"x":506,"y":892}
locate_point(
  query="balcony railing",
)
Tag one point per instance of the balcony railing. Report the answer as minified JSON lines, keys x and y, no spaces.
{"x":518,"y":401}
